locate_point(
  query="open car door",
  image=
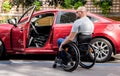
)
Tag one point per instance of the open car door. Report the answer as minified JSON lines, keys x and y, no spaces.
{"x":26,"y":27}
{"x":19,"y":33}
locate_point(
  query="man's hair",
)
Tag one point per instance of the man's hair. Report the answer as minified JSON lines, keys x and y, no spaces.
{"x":82,"y":8}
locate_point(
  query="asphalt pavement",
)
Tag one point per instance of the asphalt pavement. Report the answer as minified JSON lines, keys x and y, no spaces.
{"x":43,"y":67}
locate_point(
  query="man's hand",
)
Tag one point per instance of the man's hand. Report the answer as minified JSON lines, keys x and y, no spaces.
{"x":67,"y":40}
{"x":60,"y":48}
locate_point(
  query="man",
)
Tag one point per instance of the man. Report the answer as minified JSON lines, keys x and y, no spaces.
{"x":82,"y":25}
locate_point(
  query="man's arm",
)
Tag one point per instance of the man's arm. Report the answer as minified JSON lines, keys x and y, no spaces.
{"x":71,"y":36}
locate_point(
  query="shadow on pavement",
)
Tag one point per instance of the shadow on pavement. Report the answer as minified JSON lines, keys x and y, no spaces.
{"x":31,"y":57}
{"x":39,"y":57}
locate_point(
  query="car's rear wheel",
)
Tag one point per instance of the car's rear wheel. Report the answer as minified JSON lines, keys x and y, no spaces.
{"x":2,"y":51}
{"x":103,"y":49}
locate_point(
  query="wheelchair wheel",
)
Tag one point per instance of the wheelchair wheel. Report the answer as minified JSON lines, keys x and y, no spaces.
{"x":57,"y":61}
{"x":87,"y":56}
{"x":73,"y":61}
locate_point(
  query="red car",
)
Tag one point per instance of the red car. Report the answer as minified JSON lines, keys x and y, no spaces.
{"x":37,"y":33}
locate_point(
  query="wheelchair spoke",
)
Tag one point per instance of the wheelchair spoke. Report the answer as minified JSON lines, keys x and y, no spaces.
{"x":89,"y":59}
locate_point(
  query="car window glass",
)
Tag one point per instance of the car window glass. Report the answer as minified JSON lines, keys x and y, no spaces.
{"x":67,"y":17}
{"x":43,"y":19}
{"x":93,"y":19}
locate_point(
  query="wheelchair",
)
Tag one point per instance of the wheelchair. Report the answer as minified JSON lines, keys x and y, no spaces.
{"x":79,"y":53}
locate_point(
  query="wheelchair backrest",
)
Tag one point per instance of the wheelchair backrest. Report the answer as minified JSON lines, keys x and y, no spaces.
{"x":81,"y":38}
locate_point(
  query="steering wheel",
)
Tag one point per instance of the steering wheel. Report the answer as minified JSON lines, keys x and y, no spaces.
{"x":34,"y":28}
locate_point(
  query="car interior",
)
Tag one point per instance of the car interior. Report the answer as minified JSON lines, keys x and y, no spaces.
{"x":40,"y":29}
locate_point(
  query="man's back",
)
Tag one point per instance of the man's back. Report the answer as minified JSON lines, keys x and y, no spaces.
{"x":84,"y":25}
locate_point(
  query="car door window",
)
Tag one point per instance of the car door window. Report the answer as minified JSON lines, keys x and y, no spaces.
{"x":93,"y":19}
{"x":66,"y":17}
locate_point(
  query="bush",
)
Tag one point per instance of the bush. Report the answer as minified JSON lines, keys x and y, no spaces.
{"x":6,"y":6}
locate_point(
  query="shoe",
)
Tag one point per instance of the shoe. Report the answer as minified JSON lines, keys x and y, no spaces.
{"x":66,"y":59}
{"x":61,"y":54}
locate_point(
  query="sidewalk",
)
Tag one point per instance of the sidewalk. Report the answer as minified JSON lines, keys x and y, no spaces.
{"x":117,"y":56}
{"x":115,"y":59}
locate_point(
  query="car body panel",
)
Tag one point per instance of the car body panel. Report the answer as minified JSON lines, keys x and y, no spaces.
{"x":60,"y":32}
{"x":5,"y":34}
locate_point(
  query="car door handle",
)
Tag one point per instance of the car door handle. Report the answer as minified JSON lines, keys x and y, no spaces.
{"x":21,"y":28}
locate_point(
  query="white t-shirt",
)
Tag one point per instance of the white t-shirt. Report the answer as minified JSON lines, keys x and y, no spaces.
{"x":83,"y":25}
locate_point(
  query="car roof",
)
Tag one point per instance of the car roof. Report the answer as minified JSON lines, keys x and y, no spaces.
{"x":100,"y":17}
{"x":55,"y":10}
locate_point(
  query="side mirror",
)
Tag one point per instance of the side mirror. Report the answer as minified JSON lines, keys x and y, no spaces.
{"x":13,"y":21}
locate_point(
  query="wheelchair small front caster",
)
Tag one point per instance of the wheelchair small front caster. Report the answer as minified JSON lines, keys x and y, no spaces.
{"x":54,"y":65}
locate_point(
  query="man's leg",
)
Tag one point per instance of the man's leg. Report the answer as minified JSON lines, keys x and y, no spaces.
{"x":59,"y":41}
{"x":62,"y":54}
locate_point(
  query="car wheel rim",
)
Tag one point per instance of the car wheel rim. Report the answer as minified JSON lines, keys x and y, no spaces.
{"x":101,"y":49}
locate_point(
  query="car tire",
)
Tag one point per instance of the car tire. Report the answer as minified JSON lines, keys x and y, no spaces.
{"x":103,"y":49}
{"x":2,"y":51}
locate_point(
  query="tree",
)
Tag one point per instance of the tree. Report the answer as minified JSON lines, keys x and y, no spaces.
{"x":38,"y":4}
{"x":105,"y":5}
{"x":25,"y":3}
{"x":73,"y":3}
{"x":6,"y":6}
{"x":68,"y":3}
